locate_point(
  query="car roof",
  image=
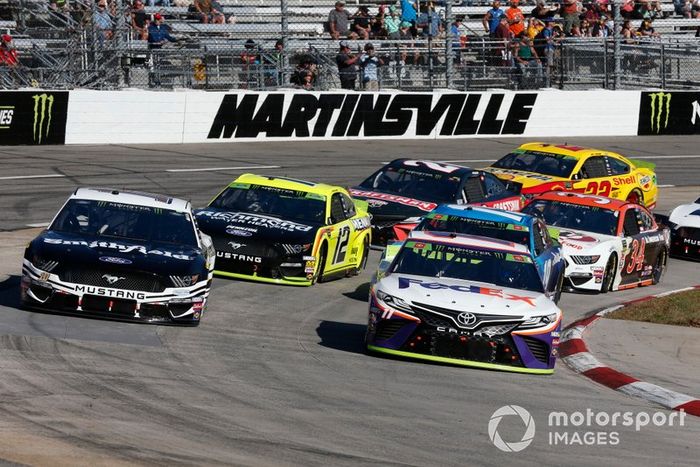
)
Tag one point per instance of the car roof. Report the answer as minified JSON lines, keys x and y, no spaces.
{"x":286,"y":183}
{"x":577,"y":152}
{"x":136,"y":198}
{"x":583,"y":199}
{"x":484,"y":213}
{"x":470,"y":241}
{"x":425,"y":165}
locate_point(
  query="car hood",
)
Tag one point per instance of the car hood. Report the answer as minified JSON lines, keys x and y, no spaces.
{"x":115,"y":253}
{"x":467,"y":296}
{"x":388,"y":206}
{"x":241,"y":225}
{"x":526,"y":179}
{"x":686,"y":215}
{"x":578,"y":241}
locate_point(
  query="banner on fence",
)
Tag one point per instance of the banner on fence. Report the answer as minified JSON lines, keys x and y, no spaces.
{"x":669,"y":113}
{"x":33,"y":117}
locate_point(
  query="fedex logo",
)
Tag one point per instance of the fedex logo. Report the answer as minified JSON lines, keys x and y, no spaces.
{"x":405,"y":282}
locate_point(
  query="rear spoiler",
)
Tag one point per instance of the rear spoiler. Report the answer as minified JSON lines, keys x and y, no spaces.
{"x":643,"y":164}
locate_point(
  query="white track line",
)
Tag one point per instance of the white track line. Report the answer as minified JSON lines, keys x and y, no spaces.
{"x":671,"y":156}
{"x":20,"y":177}
{"x":214,"y":169}
{"x":465,"y":160}
{"x":666,"y":186}
{"x":39,"y":224}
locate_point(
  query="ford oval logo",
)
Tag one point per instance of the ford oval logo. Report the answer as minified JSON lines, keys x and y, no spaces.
{"x":115,"y":260}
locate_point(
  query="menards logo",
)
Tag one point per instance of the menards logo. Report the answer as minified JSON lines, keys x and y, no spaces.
{"x":43,"y":108}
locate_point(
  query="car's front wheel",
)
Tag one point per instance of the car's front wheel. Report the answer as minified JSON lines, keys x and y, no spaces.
{"x":320,"y":265}
{"x":609,"y":274}
{"x":659,"y":267}
{"x":363,"y":259}
{"x":560,"y":285}
{"x":635,"y":197}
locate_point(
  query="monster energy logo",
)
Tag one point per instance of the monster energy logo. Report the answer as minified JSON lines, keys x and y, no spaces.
{"x":42,"y":115}
{"x":658,"y":109}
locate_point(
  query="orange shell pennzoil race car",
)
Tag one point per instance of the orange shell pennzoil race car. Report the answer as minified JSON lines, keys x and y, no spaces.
{"x":541,"y":167}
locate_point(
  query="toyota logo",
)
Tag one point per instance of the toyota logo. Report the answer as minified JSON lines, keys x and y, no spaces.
{"x":466,"y":319}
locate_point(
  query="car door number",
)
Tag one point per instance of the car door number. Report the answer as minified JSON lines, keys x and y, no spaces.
{"x":341,"y":247}
{"x":594,"y":188}
{"x":636,"y":260}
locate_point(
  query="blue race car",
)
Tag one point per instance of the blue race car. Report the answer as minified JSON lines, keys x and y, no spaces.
{"x":513,"y":227}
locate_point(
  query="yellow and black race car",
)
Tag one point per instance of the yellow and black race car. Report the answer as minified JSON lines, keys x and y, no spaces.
{"x":286,"y":231}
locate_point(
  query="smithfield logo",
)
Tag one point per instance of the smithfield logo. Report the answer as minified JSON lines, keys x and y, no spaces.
{"x":112,"y":279}
{"x":660,"y":110}
{"x":115,"y":260}
{"x":43,"y":108}
{"x":466,"y":319}
{"x":527,"y":420}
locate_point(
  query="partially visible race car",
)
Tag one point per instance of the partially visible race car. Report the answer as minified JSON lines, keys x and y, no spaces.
{"x":511,"y":227}
{"x":404,"y":190}
{"x":608,"y":244}
{"x":540,"y":167}
{"x":684,"y":222}
{"x":122,"y":255}
{"x":464,"y":300}
{"x":286,"y":231}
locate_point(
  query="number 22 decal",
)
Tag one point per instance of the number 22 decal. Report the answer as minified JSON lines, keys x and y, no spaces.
{"x":341,"y":247}
{"x":602,"y":189}
{"x":637,"y":256}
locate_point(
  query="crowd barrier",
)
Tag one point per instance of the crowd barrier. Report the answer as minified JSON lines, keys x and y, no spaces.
{"x":141,"y":117}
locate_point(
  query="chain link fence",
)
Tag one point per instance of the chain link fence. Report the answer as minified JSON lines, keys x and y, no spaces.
{"x":270,"y":44}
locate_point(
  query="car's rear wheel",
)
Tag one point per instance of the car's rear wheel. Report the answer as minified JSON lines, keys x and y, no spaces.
{"x":320,"y":265}
{"x":363,"y":260}
{"x":660,"y":267}
{"x":560,"y":285}
{"x":635,"y":197}
{"x":609,"y":274}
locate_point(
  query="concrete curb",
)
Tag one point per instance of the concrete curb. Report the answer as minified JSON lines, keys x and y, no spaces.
{"x":575,"y":354}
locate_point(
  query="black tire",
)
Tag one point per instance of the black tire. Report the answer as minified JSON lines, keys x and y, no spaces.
{"x":659,"y":267}
{"x":560,"y":286}
{"x":318,"y":275}
{"x":636,"y":193}
{"x":363,"y":261}
{"x":609,"y":274}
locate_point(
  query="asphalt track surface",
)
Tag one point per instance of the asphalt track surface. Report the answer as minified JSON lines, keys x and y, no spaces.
{"x":277,"y":375}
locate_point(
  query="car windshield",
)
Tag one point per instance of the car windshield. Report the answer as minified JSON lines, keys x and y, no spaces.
{"x":555,"y":165}
{"x":574,"y":216}
{"x":415,"y":182}
{"x":272,"y":201}
{"x":127,"y":221}
{"x":469,"y":264}
{"x":455,"y":224}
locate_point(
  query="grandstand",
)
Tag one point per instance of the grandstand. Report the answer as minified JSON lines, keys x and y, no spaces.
{"x":64,"y":49}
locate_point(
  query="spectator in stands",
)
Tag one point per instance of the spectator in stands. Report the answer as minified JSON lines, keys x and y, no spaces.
{"x":408,"y":12}
{"x":460,"y":35}
{"x":8,"y":54}
{"x":392,"y":24}
{"x":695,"y":9}
{"x":59,"y":6}
{"x":376,"y":26}
{"x":526,"y":58}
{"x":627,"y":9}
{"x":361,"y":20}
{"x":370,"y":64}
{"x":492,"y":18}
{"x":601,"y":28}
{"x":570,"y":12}
{"x":627,"y":33}
{"x":429,"y":21}
{"x":544,"y":43}
{"x":504,"y":36}
{"x":347,"y":66}
{"x":516,"y":18}
{"x":163,"y":3}
{"x":646,"y":29}
{"x":103,"y":22}
{"x":158,"y":33}
{"x":534,"y":26}
{"x":139,"y":20}
{"x":209,"y":11}
{"x":339,"y":22}
{"x":542,"y":11}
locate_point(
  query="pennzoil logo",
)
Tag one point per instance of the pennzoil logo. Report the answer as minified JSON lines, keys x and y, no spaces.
{"x":660,"y":110}
{"x":43,"y":108}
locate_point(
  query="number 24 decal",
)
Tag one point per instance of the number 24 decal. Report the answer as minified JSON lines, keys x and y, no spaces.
{"x":594,"y":188}
{"x":637,"y":256}
{"x":341,"y":247}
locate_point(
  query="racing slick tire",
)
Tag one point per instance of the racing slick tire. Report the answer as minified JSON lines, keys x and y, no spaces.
{"x":318,"y":275}
{"x":363,"y":260}
{"x":609,"y":274}
{"x":659,"y":267}
{"x":560,"y":286}
{"x":635,"y":197}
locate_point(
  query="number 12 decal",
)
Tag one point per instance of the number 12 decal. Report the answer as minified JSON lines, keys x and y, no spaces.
{"x":341,"y":248}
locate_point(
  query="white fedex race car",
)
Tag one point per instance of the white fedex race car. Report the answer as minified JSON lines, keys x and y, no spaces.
{"x":120,"y":255}
{"x":608,"y":244}
{"x":464,"y":300}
